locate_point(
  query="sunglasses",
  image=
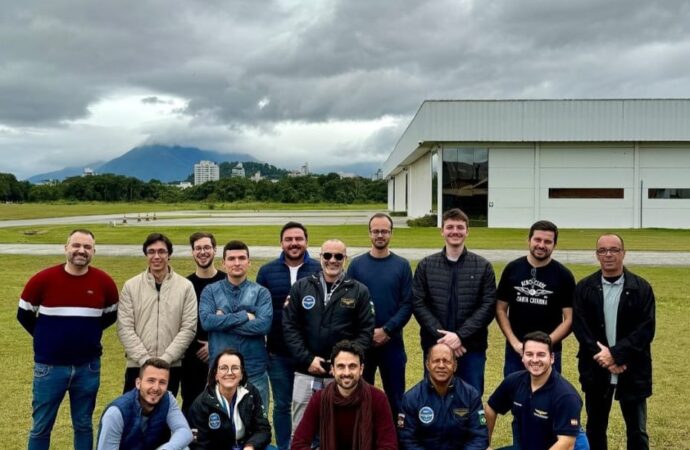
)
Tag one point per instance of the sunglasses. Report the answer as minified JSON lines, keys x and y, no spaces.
{"x":338,"y":256}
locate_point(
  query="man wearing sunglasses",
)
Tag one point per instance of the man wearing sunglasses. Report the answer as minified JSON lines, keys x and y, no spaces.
{"x":614,"y":321}
{"x":323,"y":309}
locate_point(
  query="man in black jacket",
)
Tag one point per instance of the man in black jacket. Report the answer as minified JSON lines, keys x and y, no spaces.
{"x":454,"y":296}
{"x":323,"y":309}
{"x":614,"y":323}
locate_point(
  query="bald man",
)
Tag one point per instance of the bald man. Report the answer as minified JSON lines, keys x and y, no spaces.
{"x":324,"y":308}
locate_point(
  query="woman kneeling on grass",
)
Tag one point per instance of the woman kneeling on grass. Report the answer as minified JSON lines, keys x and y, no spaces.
{"x":229,"y":413}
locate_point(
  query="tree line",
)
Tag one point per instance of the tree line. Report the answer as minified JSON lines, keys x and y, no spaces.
{"x":113,"y":188}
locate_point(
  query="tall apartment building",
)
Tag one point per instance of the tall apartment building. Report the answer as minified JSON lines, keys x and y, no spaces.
{"x":206,"y":171}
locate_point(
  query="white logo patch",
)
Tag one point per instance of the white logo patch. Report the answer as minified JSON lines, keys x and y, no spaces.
{"x":308,"y":302}
{"x":214,"y":421}
{"x":426,"y":415}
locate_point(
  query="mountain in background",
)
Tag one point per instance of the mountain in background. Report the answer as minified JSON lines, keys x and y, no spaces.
{"x":176,"y":163}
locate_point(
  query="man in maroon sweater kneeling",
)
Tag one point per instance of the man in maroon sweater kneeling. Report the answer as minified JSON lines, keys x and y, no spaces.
{"x":349,"y":414}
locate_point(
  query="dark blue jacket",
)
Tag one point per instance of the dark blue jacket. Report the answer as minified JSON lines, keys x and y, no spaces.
{"x":455,"y":421}
{"x":157,"y":431}
{"x":275,"y":276}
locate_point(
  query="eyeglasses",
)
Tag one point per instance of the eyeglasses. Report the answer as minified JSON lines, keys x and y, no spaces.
{"x":159,"y":252}
{"x":613,"y":251}
{"x":380,"y":232}
{"x":328,"y":256}
{"x":225,"y":369}
{"x":205,"y":248}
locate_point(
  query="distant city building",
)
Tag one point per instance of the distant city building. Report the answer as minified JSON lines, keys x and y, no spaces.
{"x":257,"y":176}
{"x":88,"y":172}
{"x":184,"y":184}
{"x":237,"y":171}
{"x":205,"y":171}
{"x":301,"y":172}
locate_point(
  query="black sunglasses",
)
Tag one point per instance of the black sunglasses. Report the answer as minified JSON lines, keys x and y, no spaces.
{"x":338,"y":256}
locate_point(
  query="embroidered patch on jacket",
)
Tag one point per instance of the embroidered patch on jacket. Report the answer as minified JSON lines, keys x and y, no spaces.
{"x":214,"y":421}
{"x":401,"y":420}
{"x":574,"y":422}
{"x":541,"y":414}
{"x":308,"y":302}
{"x":460,"y":412}
{"x":347,"y":302}
{"x":426,"y":415}
{"x":482,"y":417}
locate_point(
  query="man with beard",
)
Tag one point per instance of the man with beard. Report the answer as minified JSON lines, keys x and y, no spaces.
{"x":195,"y":361}
{"x":535,"y":294}
{"x":442,"y":412}
{"x":147,"y":417}
{"x":65,"y":308}
{"x":324,"y":308}
{"x":349,"y":413}
{"x":278,"y":276}
{"x":545,"y":406}
{"x":389,"y":279}
{"x":454,"y":297}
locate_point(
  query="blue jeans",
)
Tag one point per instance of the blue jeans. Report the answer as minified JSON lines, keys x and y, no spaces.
{"x":281,"y":371}
{"x":470,"y":369}
{"x":390,"y":359}
{"x":513,"y":361}
{"x":49,"y":387}
{"x":260,"y":382}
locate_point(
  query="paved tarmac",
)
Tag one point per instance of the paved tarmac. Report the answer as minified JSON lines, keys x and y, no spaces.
{"x":269,"y":252}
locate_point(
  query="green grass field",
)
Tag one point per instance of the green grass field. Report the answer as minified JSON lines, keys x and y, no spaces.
{"x":352,"y":235}
{"x":64,"y":209}
{"x":668,"y":410}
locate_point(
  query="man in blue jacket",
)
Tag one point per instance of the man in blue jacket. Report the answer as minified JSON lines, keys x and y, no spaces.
{"x":237,"y":313}
{"x":278,"y":276}
{"x":389,"y":279}
{"x":442,"y":412}
{"x":147,"y":417}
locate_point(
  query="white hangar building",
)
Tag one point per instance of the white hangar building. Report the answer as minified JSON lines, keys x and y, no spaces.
{"x":579,"y":163}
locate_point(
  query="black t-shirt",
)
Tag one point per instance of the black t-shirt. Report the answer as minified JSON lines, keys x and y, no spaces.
{"x":541,"y":416}
{"x":199,"y":285}
{"x":536,"y":296}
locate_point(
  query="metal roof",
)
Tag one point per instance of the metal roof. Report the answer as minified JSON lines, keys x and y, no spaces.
{"x":600,"y":120}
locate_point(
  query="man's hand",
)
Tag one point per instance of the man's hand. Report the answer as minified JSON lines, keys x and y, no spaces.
{"x":604,"y":358}
{"x":517,"y":347}
{"x":616,"y":369}
{"x":202,"y":353}
{"x":315,"y":367}
{"x":380,"y":337}
{"x":453,"y":341}
{"x":251,"y":316}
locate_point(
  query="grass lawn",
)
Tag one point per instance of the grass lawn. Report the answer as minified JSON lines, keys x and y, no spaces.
{"x":352,"y":235}
{"x":64,"y":209}
{"x":667,"y":423}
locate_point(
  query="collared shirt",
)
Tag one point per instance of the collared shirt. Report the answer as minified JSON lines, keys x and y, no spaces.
{"x":612,"y":297}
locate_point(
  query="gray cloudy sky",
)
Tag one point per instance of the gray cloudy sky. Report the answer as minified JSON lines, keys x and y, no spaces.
{"x":328,"y":82}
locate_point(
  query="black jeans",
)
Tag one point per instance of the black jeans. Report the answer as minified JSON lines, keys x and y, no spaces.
{"x":598,"y":405}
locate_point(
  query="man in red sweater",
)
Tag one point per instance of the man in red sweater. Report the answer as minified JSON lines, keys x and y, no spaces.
{"x":349,"y":414}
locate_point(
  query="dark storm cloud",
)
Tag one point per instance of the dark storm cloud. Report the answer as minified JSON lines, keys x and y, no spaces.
{"x":262,"y":62}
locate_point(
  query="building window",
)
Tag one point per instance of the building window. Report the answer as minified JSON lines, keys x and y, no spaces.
{"x":466,"y":180}
{"x":668,"y":193}
{"x":586,"y":193}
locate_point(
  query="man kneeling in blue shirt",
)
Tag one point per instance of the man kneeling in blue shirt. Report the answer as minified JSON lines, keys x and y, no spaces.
{"x":545,"y":406}
{"x":147,"y":417}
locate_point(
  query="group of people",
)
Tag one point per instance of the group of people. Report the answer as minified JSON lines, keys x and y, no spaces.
{"x":316,"y":333}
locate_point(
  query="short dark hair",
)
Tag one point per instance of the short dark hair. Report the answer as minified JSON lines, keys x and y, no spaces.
{"x":235,"y":245}
{"x":291,"y":224}
{"x":158,"y":237}
{"x":347,"y":346}
{"x":381,"y":216}
{"x":538,"y":336}
{"x":200,"y":235}
{"x":158,"y":363}
{"x":620,"y":238}
{"x":213,"y":368}
{"x":81,"y":231}
{"x":544,"y":225}
{"x":455,"y":214}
